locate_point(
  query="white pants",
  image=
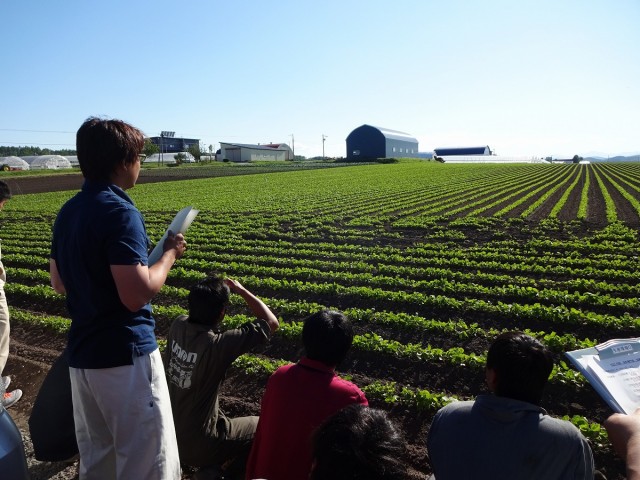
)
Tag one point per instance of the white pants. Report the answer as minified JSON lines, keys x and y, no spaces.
{"x":124,"y":423}
{"x":4,"y":322}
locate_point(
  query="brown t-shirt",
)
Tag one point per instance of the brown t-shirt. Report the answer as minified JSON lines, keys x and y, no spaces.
{"x":196,"y":361}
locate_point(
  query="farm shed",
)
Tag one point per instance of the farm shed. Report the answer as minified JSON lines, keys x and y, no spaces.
{"x":450,"y":151}
{"x":479,"y":155}
{"x":367,"y":141}
{"x":48,"y":162}
{"x":241,"y":152}
{"x":13,"y":163}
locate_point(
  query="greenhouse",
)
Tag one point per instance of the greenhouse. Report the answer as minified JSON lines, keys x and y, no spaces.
{"x":48,"y":162}
{"x":13,"y":163}
{"x":487,"y":159}
{"x":164,"y":158}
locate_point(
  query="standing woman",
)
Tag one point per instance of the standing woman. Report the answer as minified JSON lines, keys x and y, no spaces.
{"x":8,"y":398}
{"x":121,"y":407}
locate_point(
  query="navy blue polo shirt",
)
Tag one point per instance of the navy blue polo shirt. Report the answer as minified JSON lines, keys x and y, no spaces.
{"x":97,"y":228}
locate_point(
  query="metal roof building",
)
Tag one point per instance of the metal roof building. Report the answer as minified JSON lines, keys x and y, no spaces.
{"x":443,"y":152}
{"x":367,"y":141}
{"x":242,"y":152}
{"x":479,"y":155}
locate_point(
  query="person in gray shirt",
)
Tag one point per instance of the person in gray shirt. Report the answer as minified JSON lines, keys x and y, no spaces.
{"x":507,"y":435}
{"x":199,"y":352}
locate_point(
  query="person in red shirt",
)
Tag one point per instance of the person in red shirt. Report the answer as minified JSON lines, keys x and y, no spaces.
{"x":299,"y":397}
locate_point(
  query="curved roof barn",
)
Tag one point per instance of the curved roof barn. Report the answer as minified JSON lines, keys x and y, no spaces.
{"x":368,"y":141}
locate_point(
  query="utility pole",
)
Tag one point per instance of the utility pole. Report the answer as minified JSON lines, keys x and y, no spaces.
{"x":323,"y":139}
{"x":293,"y":147}
{"x":161,"y":145}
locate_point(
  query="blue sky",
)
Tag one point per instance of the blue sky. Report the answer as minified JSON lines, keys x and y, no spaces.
{"x":526,"y":77}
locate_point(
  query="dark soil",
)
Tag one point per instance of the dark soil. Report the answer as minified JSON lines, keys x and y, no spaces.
{"x":73,"y":181}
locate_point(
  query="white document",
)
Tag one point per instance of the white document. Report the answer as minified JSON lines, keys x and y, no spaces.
{"x":180,"y":224}
{"x":621,"y":377}
{"x":613,"y":369}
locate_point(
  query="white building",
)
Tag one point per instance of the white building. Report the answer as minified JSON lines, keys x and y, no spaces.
{"x":240,"y":152}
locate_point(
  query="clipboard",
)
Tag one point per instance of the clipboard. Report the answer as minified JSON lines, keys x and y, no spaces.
{"x":180,"y":224}
{"x":613,"y":370}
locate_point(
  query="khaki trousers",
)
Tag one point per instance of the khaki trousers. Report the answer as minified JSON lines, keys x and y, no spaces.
{"x":124,"y":423}
{"x":4,"y":322}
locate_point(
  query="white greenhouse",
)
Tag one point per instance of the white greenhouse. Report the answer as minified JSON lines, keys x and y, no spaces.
{"x":165,"y":158}
{"x":13,"y":163}
{"x":488,"y":159}
{"x":49,"y":162}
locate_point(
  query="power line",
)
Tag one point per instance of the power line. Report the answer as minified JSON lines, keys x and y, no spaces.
{"x":32,"y":131}
{"x":181,"y":133}
{"x":32,"y":144}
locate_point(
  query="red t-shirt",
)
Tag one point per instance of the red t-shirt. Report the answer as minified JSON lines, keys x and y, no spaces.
{"x":298,"y":398}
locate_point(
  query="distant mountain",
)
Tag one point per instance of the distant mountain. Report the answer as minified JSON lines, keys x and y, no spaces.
{"x":616,"y":159}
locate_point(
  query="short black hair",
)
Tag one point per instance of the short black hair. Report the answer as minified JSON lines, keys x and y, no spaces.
{"x":207,"y":299}
{"x":358,"y":443}
{"x":522,"y":365}
{"x":102,"y":145}
{"x":327,"y":336}
{"x":5,"y":191}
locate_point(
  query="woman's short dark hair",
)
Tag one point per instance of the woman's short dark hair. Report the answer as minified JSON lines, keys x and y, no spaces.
{"x":356,"y":443}
{"x":522,"y":366}
{"x":103,"y":145}
{"x":5,"y":192}
{"x":207,"y":299}
{"x":327,"y":336}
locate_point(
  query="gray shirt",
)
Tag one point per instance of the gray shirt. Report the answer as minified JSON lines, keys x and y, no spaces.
{"x":196,"y":360}
{"x":501,"y":438}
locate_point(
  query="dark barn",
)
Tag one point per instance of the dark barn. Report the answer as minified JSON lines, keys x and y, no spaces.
{"x":376,"y":142}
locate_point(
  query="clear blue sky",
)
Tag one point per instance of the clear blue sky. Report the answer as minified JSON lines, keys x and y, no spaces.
{"x":526,"y":77}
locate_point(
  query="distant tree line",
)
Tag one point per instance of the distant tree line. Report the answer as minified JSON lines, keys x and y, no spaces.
{"x":33,"y":151}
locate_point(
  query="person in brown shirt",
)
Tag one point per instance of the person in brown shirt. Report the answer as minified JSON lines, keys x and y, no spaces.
{"x":197,"y":357}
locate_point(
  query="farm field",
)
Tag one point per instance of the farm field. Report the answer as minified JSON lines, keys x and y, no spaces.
{"x":431,"y":261}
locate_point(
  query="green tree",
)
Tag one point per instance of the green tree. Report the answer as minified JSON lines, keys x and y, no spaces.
{"x":195,"y":151}
{"x":576,"y":159}
{"x":29,"y":151}
{"x":180,"y":158}
{"x":150,"y":148}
